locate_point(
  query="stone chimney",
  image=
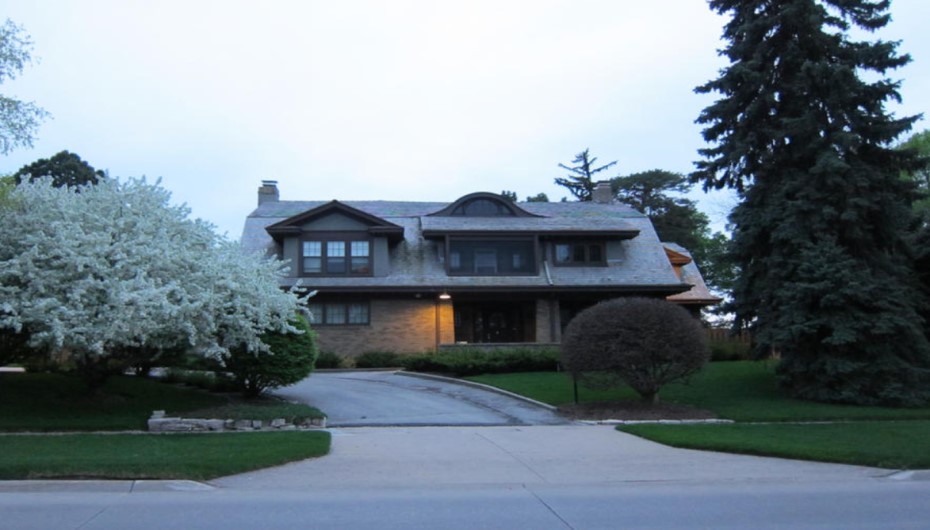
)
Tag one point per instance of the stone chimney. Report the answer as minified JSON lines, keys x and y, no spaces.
{"x":602,"y":194}
{"x":268,"y":192}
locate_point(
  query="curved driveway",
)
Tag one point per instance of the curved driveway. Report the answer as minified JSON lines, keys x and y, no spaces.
{"x":356,"y":399}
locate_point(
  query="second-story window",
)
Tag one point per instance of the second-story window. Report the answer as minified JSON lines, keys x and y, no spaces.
{"x":492,"y":257}
{"x":582,"y":253}
{"x":336,"y":256}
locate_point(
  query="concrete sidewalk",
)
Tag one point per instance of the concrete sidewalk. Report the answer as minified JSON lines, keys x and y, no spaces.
{"x":568,"y":454}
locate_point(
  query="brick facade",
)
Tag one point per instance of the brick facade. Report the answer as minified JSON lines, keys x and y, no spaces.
{"x":401,"y":326}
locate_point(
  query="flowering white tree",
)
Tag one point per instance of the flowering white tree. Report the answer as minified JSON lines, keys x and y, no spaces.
{"x":113,"y":273}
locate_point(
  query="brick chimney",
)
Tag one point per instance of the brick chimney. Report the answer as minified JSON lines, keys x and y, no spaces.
{"x":268,"y":192}
{"x":602,"y":194}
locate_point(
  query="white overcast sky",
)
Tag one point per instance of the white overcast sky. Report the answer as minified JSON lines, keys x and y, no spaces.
{"x":396,"y":100}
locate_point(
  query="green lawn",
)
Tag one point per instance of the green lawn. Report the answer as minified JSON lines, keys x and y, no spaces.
{"x":153,"y":456}
{"x":746,"y":392}
{"x":739,"y":390}
{"x":888,"y":444}
{"x":57,"y":402}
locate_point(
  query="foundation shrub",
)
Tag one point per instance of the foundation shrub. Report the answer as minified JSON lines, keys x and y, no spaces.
{"x":374,"y":359}
{"x":328,"y":359}
{"x":476,"y":361}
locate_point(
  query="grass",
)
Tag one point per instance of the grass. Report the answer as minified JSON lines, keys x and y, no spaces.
{"x":746,"y":391}
{"x":57,"y":402}
{"x":165,"y":456}
{"x":890,"y":444}
{"x":739,"y":390}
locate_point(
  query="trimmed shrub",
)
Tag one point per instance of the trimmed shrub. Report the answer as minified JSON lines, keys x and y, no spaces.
{"x":376,"y":359}
{"x":643,"y":342}
{"x":329,"y":359}
{"x":476,"y":361}
{"x":290,"y":359}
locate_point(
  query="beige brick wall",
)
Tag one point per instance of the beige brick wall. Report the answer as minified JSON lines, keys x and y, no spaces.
{"x":402,"y":326}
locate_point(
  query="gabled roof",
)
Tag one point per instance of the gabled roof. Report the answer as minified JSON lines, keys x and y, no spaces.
{"x":376,"y":225}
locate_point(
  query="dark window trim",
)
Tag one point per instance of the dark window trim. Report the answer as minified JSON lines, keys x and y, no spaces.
{"x":503,"y":238}
{"x":345,"y":323}
{"x":587,"y":260}
{"x":345,"y":237}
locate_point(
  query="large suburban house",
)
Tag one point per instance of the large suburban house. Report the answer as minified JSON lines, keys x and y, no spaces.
{"x":414,"y":276}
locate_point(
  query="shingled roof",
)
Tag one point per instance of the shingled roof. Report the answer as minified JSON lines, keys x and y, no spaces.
{"x":416,"y":264}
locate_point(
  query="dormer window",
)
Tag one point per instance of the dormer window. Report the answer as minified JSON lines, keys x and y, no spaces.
{"x":335,"y":256}
{"x":482,"y":208}
{"x":482,"y":204}
{"x":590,"y":253}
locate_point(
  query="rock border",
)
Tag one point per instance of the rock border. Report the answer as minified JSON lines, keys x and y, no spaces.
{"x":160,"y":423}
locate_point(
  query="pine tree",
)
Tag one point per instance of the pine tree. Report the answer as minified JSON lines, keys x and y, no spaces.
{"x":819,"y":232}
{"x":581,"y":180}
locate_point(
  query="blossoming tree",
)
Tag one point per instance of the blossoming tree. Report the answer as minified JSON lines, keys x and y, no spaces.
{"x":113,"y":274}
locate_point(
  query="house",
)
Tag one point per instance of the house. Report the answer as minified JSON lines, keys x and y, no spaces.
{"x":414,"y":276}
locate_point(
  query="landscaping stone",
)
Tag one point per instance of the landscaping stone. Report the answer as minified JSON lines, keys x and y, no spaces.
{"x":159,"y":423}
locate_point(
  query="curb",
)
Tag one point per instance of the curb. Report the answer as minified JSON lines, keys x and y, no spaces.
{"x":715,"y":421}
{"x":101,"y":486}
{"x":480,"y":386}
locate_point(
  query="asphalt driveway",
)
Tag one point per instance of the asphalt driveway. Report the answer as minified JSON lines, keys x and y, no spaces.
{"x":357,"y":399}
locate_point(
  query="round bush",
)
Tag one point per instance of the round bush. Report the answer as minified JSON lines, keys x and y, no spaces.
{"x":290,"y":359}
{"x":643,"y":342}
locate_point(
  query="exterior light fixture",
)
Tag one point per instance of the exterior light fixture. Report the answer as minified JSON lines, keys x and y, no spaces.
{"x":445,"y":296}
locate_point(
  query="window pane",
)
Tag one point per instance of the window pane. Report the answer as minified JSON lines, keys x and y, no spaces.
{"x":578,"y":253}
{"x":361,"y":265}
{"x":312,"y":251}
{"x":485,"y":261}
{"x":595,"y":255}
{"x":335,"y":248}
{"x":313,"y":248}
{"x":563,"y":253}
{"x":313,"y":265}
{"x":316,"y":313}
{"x":335,"y":313}
{"x":360,"y":249}
{"x":358,"y":313}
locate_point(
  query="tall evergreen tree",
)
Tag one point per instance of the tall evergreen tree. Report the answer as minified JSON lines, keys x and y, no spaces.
{"x":581,"y":181}
{"x":818,"y":233}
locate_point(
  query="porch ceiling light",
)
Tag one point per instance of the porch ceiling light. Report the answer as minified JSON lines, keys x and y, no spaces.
{"x":445,"y":296}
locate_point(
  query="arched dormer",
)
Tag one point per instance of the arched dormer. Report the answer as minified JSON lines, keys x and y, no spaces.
{"x":483,"y":204}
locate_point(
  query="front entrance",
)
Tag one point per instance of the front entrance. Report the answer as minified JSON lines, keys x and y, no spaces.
{"x":495,"y":322}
